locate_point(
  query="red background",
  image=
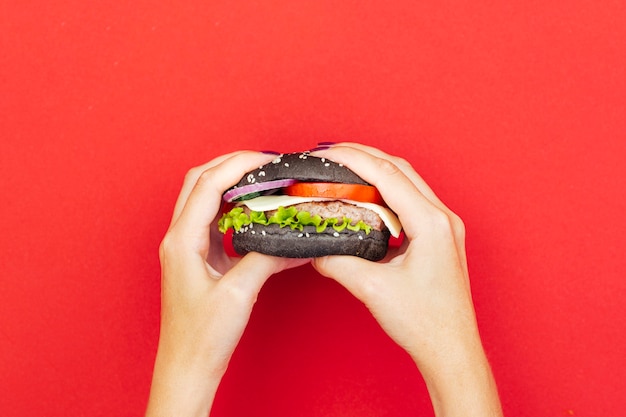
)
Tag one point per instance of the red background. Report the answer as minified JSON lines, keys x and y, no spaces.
{"x":514,"y":112}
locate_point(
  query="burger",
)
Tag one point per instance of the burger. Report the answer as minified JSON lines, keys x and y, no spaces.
{"x":303,"y":206}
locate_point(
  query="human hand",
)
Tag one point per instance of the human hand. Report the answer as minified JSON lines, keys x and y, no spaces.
{"x":420,"y":293}
{"x":207,"y":296}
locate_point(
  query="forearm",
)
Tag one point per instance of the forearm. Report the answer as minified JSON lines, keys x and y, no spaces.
{"x":462,"y":384}
{"x":181,"y":389}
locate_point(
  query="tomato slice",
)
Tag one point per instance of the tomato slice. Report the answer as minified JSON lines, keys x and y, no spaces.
{"x":356,"y":192}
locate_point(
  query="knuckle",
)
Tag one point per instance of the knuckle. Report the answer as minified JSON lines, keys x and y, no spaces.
{"x":387,"y":167}
{"x":370,"y":289}
{"x":193,"y":174}
{"x":448,"y":225}
{"x":458,"y":226}
{"x":442,"y":222}
{"x":401,"y":162}
{"x":169,"y":246}
{"x":236,"y":294}
{"x":165,"y":247}
{"x":441,"y":219}
{"x":205,"y":177}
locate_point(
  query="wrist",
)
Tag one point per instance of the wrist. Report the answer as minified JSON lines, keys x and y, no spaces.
{"x":460,"y":382}
{"x":182,"y":387}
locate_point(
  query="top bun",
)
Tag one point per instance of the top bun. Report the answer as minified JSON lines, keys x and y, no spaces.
{"x":301,"y":166}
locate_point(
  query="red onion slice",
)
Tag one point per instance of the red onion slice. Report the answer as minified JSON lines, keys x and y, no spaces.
{"x":256,"y":187}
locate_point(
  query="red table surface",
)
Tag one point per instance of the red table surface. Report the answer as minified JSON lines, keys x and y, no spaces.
{"x":514,"y":112}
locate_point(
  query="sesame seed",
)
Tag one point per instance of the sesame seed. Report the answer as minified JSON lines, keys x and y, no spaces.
{"x":360,"y":237}
{"x":336,"y":234}
{"x":276,"y":160}
{"x":263,"y":232}
{"x":253,"y":232}
{"x":323,"y":159}
{"x":251,"y":179}
{"x":300,"y":235}
{"x":340,"y":165}
{"x":262,"y":174}
{"x":307,"y":235}
{"x":326,"y":164}
{"x":286,"y":164}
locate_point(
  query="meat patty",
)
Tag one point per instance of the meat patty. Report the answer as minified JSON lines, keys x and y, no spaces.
{"x":337,"y":210}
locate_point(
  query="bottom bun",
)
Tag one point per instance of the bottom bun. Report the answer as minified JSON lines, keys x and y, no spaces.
{"x":308,"y":243}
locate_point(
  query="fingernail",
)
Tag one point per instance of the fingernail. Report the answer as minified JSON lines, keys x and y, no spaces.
{"x":319,"y":148}
{"x":270,"y":152}
{"x":326,"y":143}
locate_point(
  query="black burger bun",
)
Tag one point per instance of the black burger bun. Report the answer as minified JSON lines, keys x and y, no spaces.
{"x":285,"y":242}
{"x":303,"y":167}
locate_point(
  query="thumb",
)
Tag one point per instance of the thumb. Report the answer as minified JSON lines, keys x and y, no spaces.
{"x":253,"y":270}
{"x":356,"y":274}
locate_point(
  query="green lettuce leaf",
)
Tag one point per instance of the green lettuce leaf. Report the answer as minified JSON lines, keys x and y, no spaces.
{"x":236,"y":219}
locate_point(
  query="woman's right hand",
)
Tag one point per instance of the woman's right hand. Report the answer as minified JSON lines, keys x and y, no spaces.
{"x":207,"y":296}
{"x":420,"y":294}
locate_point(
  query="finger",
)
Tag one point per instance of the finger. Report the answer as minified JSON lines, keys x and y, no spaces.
{"x":253,"y":270}
{"x":406,"y":168}
{"x":204,"y":201}
{"x":413,"y":209}
{"x":454,"y":221}
{"x":357,"y":275}
{"x":217,"y":256}
{"x":190,"y":181}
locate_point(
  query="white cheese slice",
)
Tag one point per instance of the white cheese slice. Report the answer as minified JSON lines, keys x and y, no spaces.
{"x":272,"y":202}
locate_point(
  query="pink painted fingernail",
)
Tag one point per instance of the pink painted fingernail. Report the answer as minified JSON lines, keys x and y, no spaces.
{"x":319,"y":148}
